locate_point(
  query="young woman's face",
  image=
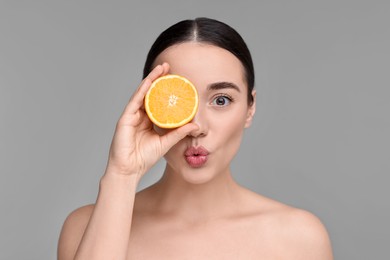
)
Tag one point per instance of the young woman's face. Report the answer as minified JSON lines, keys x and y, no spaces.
{"x":222,"y":115}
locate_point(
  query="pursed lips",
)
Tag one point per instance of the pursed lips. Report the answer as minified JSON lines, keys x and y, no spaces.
{"x":196,"y":156}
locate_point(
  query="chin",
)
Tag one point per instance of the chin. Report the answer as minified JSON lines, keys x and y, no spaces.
{"x":197,"y":178}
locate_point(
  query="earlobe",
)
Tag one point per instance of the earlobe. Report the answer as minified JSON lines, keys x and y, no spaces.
{"x":251,"y":111}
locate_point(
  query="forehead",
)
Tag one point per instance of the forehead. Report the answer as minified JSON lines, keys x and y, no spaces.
{"x":203,"y":64}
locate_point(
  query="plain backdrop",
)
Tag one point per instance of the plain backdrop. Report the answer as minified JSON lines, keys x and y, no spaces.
{"x":320,"y":139}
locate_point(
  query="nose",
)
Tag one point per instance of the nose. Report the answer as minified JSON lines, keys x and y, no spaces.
{"x":201,"y":120}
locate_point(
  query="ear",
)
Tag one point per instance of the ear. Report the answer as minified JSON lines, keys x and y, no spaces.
{"x":251,"y":111}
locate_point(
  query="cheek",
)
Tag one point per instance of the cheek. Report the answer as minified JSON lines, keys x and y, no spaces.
{"x":229,"y":128}
{"x":229,"y":142}
{"x":230,"y":120}
{"x":176,"y":151}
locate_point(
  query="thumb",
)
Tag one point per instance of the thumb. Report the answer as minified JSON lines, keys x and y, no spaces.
{"x":174,"y":136}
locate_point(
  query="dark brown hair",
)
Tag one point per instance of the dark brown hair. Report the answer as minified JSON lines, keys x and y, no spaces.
{"x":209,"y":31}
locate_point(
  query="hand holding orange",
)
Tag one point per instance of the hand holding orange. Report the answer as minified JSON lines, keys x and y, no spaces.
{"x":171,"y":101}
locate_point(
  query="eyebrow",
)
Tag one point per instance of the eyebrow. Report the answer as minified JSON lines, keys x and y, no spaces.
{"x":223,"y":85}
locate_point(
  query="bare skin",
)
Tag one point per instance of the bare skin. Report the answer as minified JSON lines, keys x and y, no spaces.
{"x":192,"y":212}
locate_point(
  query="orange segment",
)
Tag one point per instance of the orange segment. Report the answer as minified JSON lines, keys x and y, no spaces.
{"x":171,"y":101}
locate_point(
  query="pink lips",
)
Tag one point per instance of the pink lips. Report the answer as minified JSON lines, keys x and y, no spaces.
{"x":196,"y":156}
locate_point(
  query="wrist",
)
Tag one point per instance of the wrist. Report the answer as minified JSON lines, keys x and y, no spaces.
{"x":115,"y":180}
{"x":123,"y":169}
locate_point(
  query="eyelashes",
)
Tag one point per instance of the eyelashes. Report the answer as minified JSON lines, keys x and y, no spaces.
{"x":222,"y":100}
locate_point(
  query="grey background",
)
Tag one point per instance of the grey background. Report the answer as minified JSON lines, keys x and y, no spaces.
{"x":320,"y":139}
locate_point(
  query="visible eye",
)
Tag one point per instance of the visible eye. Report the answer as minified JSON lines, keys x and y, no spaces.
{"x":222,"y":100}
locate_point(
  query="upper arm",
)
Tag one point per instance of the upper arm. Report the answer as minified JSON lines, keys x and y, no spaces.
{"x":72,"y":232}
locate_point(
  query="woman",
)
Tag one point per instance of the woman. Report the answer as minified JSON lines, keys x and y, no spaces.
{"x":196,"y":210}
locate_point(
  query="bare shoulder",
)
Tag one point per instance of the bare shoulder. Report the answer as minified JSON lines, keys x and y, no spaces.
{"x":298,"y":233}
{"x":72,"y":231}
{"x":305,"y":234}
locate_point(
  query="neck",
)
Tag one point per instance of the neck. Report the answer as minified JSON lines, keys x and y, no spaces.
{"x":196,"y":202}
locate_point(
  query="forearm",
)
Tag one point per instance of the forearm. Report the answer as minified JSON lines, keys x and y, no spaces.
{"x":108,"y":231}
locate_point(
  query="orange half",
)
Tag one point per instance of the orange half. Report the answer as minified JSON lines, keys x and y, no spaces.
{"x":171,"y":101}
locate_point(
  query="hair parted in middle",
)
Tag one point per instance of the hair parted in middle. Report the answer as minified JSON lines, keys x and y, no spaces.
{"x":205,"y":30}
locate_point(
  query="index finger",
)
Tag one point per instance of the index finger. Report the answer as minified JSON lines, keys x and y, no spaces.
{"x":137,"y":100}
